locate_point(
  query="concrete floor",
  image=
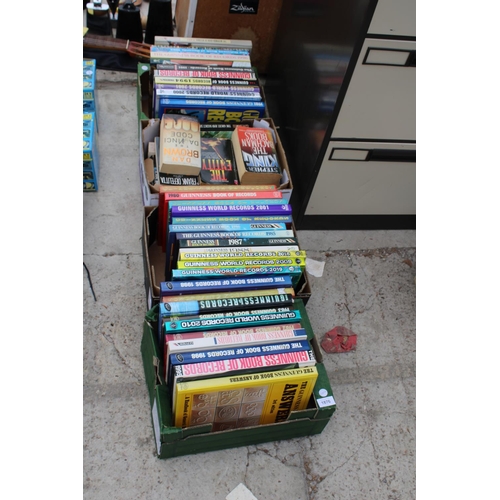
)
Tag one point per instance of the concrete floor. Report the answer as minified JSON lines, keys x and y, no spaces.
{"x":367,"y":450}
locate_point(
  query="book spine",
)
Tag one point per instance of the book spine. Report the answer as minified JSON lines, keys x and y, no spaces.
{"x":275,"y":226}
{"x":234,"y":219}
{"x":194,"y":211}
{"x":265,"y":233}
{"x":173,"y":288}
{"x":208,"y":273}
{"x":237,"y":251}
{"x":284,"y":331}
{"x":198,"y":55}
{"x":161,"y":49}
{"x":237,"y":242}
{"x":212,"y":60}
{"x":201,"y":42}
{"x":208,"y":255}
{"x":206,"y":94}
{"x":244,"y":90}
{"x":204,"y":82}
{"x":218,"y":322}
{"x":212,"y":295}
{"x":204,"y":346}
{"x":193,"y":307}
{"x":211,"y":103}
{"x":222,"y":195}
{"x":198,"y":189}
{"x":211,"y":73}
{"x":192,"y":67}
{"x":240,"y":262}
{"x":231,"y":200}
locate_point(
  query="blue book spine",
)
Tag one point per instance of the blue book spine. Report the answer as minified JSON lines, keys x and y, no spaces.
{"x":283,"y":209}
{"x":186,"y":228}
{"x":219,"y":322}
{"x":252,"y":219}
{"x":229,"y":284}
{"x":217,"y":203}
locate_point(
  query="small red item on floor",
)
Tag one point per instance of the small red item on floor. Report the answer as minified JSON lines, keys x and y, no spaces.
{"x":339,"y":339}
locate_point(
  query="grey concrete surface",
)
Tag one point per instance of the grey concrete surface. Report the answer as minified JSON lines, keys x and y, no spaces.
{"x":367,"y":451}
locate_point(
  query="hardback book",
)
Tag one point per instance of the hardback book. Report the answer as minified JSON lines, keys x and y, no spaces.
{"x":256,"y":156}
{"x":179,"y":41}
{"x":190,"y":287}
{"x":242,"y":401}
{"x":235,"y":301}
{"x":180,"y":148}
{"x":285,"y":331}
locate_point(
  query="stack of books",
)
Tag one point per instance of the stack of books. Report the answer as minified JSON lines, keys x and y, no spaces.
{"x":90,"y":151}
{"x":211,"y":79}
{"x":235,"y":353}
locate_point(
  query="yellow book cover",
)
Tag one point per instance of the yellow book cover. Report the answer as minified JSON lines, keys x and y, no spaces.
{"x":241,"y":262}
{"x":245,"y":400}
{"x":180,"y":149}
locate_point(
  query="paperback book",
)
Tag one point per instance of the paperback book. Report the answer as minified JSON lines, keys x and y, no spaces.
{"x":255,"y":155}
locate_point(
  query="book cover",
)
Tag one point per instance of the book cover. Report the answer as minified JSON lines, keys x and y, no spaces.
{"x":245,"y":400}
{"x":208,"y":110}
{"x":180,"y":149}
{"x":217,"y":161}
{"x":189,"y":287}
{"x":255,"y":155}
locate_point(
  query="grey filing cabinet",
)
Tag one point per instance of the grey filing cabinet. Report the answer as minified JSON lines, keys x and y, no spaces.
{"x":351,"y":143}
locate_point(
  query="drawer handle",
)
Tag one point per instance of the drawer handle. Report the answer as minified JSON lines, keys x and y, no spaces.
{"x":385,"y":155}
{"x":390,"y":57}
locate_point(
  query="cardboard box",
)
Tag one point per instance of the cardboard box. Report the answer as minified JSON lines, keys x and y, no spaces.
{"x":150,"y":128}
{"x":154,"y":262}
{"x":175,"y":441}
